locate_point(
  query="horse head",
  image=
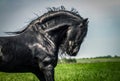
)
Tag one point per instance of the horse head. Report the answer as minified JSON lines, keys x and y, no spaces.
{"x":75,"y":36}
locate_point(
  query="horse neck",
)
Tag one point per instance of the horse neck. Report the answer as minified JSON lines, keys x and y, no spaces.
{"x":53,"y":38}
{"x":40,"y":39}
{"x":57,"y":37}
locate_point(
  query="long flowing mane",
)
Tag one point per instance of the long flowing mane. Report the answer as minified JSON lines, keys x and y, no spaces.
{"x":50,"y":14}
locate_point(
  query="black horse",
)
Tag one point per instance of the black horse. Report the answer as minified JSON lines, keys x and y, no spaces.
{"x":35,"y":49}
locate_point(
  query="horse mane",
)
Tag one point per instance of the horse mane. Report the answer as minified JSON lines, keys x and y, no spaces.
{"x":62,"y":8}
{"x":53,"y":11}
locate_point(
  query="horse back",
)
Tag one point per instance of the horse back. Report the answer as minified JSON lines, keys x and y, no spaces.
{"x":14,"y":53}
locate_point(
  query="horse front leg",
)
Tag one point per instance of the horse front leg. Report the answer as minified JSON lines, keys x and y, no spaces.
{"x":47,"y":69}
{"x":40,"y":75}
{"x":45,"y":75}
{"x":49,"y":74}
{"x":46,"y":64}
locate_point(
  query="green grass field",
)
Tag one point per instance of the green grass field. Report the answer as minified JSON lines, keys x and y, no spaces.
{"x":94,"y":71}
{"x":109,"y":71}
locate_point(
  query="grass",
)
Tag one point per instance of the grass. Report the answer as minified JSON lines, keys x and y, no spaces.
{"x":109,"y":71}
{"x":96,"y":60}
{"x":94,"y":71}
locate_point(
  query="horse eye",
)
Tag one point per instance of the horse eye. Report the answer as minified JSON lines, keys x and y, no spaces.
{"x":81,"y":24}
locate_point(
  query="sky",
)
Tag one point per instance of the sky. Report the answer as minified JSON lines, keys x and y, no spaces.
{"x":103,"y":28}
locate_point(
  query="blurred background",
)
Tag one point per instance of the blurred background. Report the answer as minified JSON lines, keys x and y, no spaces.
{"x":104,"y":21}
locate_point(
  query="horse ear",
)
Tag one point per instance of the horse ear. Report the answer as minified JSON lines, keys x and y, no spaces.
{"x":85,"y":21}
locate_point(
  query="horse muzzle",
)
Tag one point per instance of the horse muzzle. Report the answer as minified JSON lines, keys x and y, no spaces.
{"x":72,"y":52}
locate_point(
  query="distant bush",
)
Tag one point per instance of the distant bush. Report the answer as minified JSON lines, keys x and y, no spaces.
{"x":65,"y":60}
{"x":108,"y":56}
{"x":116,"y":56}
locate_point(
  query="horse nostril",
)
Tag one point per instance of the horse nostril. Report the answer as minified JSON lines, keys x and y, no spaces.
{"x":76,"y":50}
